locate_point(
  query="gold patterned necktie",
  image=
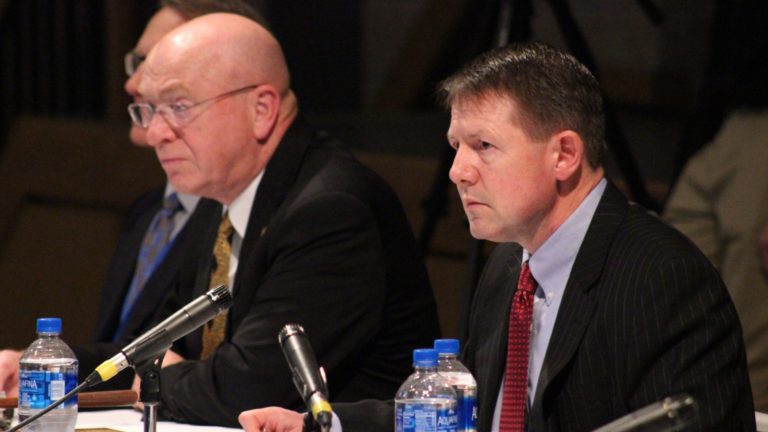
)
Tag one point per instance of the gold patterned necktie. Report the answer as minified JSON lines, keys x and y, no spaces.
{"x":214,"y":330}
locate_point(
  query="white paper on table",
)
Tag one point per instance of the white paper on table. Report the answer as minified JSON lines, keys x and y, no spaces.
{"x":129,"y":420}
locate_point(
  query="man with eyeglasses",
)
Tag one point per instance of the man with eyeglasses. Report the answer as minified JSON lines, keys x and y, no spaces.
{"x":304,"y":233}
{"x":142,"y":271}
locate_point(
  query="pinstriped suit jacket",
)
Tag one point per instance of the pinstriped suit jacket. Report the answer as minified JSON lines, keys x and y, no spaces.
{"x":644,"y":316}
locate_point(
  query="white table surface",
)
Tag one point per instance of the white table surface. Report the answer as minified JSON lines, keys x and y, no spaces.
{"x":128,"y":420}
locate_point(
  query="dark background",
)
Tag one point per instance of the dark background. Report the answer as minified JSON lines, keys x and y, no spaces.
{"x":364,"y":70}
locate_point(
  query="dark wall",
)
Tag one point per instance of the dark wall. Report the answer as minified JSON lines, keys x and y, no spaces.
{"x":322,"y":43}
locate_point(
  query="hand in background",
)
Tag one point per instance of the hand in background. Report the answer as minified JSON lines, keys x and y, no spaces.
{"x":9,"y":372}
{"x":272,"y":419}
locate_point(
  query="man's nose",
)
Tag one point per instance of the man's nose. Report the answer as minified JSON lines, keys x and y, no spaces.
{"x":159,"y":131}
{"x":462,"y":171}
{"x":132,"y":84}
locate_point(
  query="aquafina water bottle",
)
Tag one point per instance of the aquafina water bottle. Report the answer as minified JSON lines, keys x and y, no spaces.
{"x":48,"y":371}
{"x":449,"y":366}
{"x":425,"y":402}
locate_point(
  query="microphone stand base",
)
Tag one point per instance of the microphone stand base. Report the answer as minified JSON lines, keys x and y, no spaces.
{"x":149,"y":372}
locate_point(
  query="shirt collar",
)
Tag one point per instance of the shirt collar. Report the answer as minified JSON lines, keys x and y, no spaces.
{"x":188,"y":202}
{"x":240,"y":209}
{"x":552,"y":263}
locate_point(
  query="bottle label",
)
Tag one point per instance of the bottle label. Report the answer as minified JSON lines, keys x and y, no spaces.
{"x":467,"y":414}
{"x":38,"y":389}
{"x":466,"y":409}
{"x":425,"y":417}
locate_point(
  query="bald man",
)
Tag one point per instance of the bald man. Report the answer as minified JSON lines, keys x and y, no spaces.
{"x":303,"y":234}
{"x":130,"y":301}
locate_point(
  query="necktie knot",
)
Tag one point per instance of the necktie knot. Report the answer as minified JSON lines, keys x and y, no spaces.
{"x":225,"y":228}
{"x":171,"y":204}
{"x":526,"y":282}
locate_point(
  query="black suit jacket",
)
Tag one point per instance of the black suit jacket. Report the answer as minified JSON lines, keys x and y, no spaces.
{"x":644,"y":316}
{"x":148,"y":307}
{"x":327,"y":246}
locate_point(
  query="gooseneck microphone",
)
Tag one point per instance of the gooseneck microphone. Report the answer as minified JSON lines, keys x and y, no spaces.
{"x":674,"y":413}
{"x":306,"y":374}
{"x":160,"y":337}
{"x":151,"y":344}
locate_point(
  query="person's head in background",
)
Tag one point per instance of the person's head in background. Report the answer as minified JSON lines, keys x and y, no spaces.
{"x":171,"y":14}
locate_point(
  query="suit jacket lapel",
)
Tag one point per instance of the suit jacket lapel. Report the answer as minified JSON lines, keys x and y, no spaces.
{"x":200,"y":262}
{"x":209,"y":226}
{"x":279,"y":177}
{"x":579,"y":302}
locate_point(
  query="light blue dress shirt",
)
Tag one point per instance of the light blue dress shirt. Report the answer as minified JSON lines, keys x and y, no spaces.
{"x":551,"y":267}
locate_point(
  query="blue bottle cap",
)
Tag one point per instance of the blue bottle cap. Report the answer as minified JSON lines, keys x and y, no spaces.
{"x":425,"y":357}
{"x":447,"y":346}
{"x":49,"y":325}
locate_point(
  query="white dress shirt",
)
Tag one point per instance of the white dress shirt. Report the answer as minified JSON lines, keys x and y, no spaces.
{"x":239,"y":214}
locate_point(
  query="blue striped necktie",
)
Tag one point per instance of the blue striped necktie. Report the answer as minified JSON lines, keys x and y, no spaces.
{"x":157,"y":241}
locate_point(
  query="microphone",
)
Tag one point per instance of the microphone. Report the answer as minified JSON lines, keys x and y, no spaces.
{"x":674,"y":413}
{"x":307,"y":376}
{"x":160,"y":337}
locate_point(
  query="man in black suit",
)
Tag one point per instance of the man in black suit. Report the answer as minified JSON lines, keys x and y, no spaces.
{"x":119,"y":322}
{"x":310,"y":235}
{"x":590,"y":308}
{"x":130,"y":302}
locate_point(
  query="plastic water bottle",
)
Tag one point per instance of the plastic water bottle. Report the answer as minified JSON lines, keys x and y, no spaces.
{"x":425,"y":402}
{"x":462,"y":381}
{"x":47,"y":371}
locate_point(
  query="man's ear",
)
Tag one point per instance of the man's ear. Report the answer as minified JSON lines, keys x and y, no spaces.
{"x":264,"y":105}
{"x":569,"y":154}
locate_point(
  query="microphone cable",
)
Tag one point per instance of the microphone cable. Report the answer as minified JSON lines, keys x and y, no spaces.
{"x":92,"y":380}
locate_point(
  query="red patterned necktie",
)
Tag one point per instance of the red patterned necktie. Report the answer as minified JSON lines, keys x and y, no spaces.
{"x":516,"y":381}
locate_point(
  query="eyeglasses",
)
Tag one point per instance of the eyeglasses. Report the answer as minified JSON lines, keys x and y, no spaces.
{"x":132,"y":61}
{"x":176,"y":114}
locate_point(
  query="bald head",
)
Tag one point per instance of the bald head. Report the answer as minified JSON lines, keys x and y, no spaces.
{"x":221,"y":48}
{"x":221,"y":86}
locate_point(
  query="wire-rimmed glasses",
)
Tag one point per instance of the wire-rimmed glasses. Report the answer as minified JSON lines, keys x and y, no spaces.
{"x":177,"y":114}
